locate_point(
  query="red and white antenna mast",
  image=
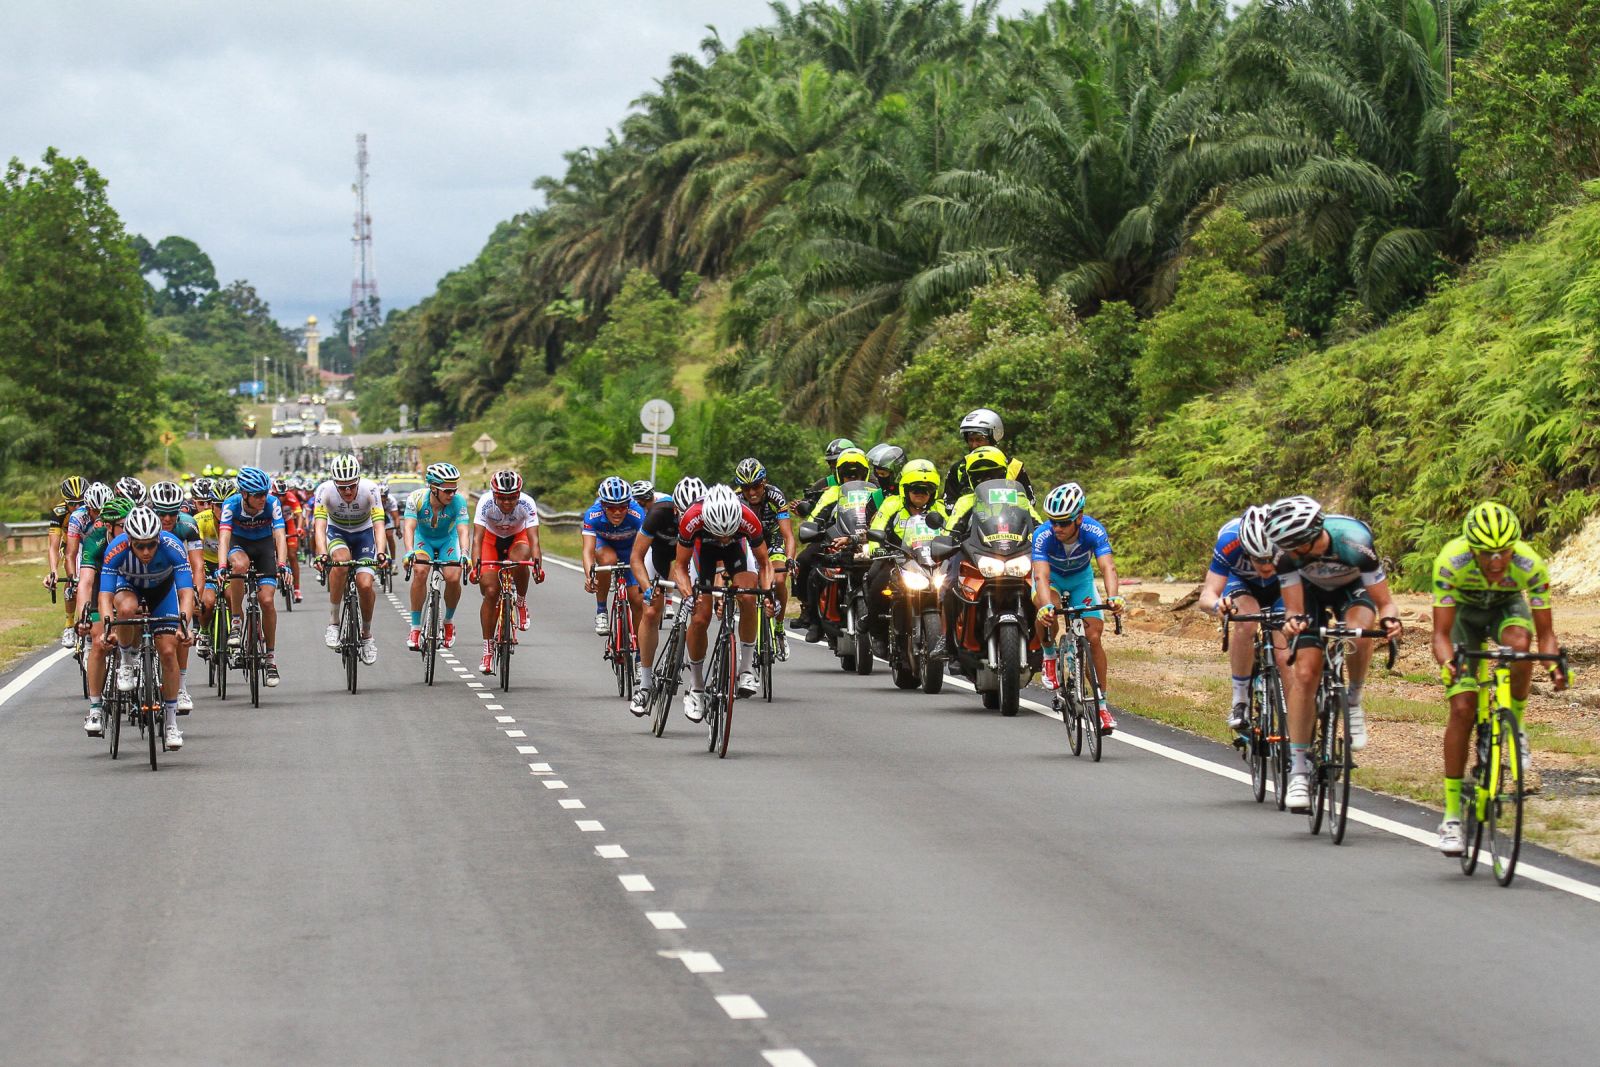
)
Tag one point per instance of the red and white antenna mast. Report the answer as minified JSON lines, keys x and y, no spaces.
{"x":364,"y":310}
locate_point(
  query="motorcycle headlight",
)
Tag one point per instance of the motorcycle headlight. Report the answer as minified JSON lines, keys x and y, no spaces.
{"x":1019,"y":566}
{"x":914,"y":581}
{"x":938,"y":579}
{"x":991,"y":566}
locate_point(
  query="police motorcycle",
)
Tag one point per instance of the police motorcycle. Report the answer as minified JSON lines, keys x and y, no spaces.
{"x":993,"y":638}
{"x":913,"y":617}
{"x":839,"y":579}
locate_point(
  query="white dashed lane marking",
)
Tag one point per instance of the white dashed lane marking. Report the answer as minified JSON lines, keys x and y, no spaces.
{"x":740,"y":1006}
{"x":527,"y":750}
{"x":539,"y":768}
{"x":590,"y":826}
{"x":516,"y":733}
{"x":611,"y":852}
{"x":636,"y":883}
{"x":502,"y":718}
{"x":665,"y":920}
{"x":787,"y":1057}
{"x":571,"y":802}
{"x":554,"y":783}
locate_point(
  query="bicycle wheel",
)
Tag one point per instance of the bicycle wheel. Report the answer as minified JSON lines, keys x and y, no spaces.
{"x":1505,"y":805}
{"x":1319,"y":784}
{"x":730,"y":684}
{"x":1089,"y":699}
{"x":1067,"y":700}
{"x":111,"y":715}
{"x":431,"y":635}
{"x":667,"y":674}
{"x":83,"y":670}
{"x":764,"y":651}
{"x":1336,"y":770}
{"x":150,"y":701}
{"x":350,"y":637}
{"x":220,"y":652}
{"x":503,"y":642}
{"x":252,"y":654}
{"x":1256,"y":734}
{"x":1278,"y":739}
{"x":713,"y":695}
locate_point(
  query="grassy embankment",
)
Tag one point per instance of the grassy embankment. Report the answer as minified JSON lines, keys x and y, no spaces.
{"x":27,"y":617}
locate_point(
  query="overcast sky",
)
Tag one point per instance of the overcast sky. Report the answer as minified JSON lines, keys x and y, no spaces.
{"x":234,"y":123}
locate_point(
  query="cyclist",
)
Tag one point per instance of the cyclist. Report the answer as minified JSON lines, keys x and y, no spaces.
{"x":918,"y":496}
{"x":71,"y":499}
{"x":293,"y":527}
{"x":609,"y":528}
{"x":1243,"y":578}
{"x":644,"y":494}
{"x":167,"y":500}
{"x":86,"y":607}
{"x":772,"y":508}
{"x":1489,"y":586}
{"x":132,"y":490}
{"x":718,"y":531}
{"x":250,"y":535}
{"x":206,"y":517}
{"x":348,"y":524}
{"x":653,"y":552}
{"x":437,"y":527}
{"x":1327,"y":566}
{"x":391,"y":513}
{"x":509,"y":521}
{"x":1063,"y":550}
{"x":82,"y":520}
{"x":850,"y":465}
{"x":981,"y":428}
{"x":146,"y":572}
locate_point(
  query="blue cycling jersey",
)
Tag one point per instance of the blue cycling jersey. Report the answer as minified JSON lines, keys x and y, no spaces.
{"x":122,"y":569}
{"x":437,"y":523}
{"x":251,"y":527}
{"x":1072,"y":557}
{"x":619,"y":535}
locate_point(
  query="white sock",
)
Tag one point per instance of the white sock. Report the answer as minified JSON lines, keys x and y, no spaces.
{"x":746,"y":653}
{"x":1241,"y":690}
{"x":647,"y":676}
{"x":697,"y":671}
{"x":1353,"y":694}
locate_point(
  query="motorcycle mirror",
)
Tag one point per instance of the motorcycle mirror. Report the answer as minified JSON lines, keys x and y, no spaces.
{"x":934,"y":520}
{"x":803,"y":508}
{"x":809,"y":532}
{"x":880,"y":537}
{"x":942,"y":548}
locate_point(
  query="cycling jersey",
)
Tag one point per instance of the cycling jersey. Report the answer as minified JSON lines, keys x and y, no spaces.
{"x":185,"y":530}
{"x":57,"y":515}
{"x":255,"y":526}
{"x":437,"y":522}
{"x":79,"y":522}
{"x":618,"y":535}
{"x":1458,"y":581}
{"x":92,"y":552}
{"x":353,"y":515}
{"x":661,"y":530}
{"x":205,"y":524}
{"x":122,"y":569}
{"x":523,"y":516}
{"x":691,"y":527}
{"x":735,"y":555}
{"x":1349,"y":558}
{"x":1071,"y":557}
{"x":773,"y":508}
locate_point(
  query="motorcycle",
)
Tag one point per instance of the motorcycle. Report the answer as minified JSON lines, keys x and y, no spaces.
{"x":914,"y":620}
{"x":993,"y":641}
{"x":840,"y":606}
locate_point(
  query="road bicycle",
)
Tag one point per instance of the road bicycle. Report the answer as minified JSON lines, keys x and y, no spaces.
{"x":767,"y":635}
{"x":1078,"y":690}
{"x":668,"y":666}
{"x":251,"y":655}
{"x":432,"y":615}
{"x":622,"y":644}
{"x":349,"y":616}
{"x":1330,"y":740}
{"x":1264,"y":741}
{"x":142,"y":704}
{"x":286,"y":586}
{"x":722,"y":673}
{"x":80,"y":641}
{"x":1491,"y":797}
{"x":505,"y":614}
{"x":217,"y":653}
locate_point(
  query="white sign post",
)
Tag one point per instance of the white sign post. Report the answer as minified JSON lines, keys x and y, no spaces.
{"x":656,"y":416}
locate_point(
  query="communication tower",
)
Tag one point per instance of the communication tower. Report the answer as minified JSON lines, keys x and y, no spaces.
{"x":364,"y":281}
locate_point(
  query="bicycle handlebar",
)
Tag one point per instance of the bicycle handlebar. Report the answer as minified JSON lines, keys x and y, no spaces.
{"x":1349,"y":633}
{"x":1501,"y":654}
{"x":1270,"y":619}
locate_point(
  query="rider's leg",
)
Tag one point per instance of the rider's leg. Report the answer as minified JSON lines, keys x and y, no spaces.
{"x":747,"y":619}
{"x":367,"y":591}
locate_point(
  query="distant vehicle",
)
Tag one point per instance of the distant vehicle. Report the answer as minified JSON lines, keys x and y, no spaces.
{"x":305,"y":398}
{"x":280,"y":398}
{"x":403,"y":485}
{"x":277,"y":428}
{"x":331,"y":427}
{"x":293,"y":426}
{"x":308,"y":415}
{"x":319,"y":399}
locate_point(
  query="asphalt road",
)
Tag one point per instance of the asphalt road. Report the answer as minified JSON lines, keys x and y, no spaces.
{"x":881,"y":877}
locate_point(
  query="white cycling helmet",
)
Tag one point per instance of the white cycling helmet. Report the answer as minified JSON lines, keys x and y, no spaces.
{"x":688,"y":492}
{"x":720,"y":511}
{"x":1253,"y":537}
{"x":142,"y":524}
{"x":1294,"y":520}
{"x":345,"y":469}
{"x":166,"y":497}
{"x":984,"y":421}
{"x":96,"y":496}
{"x":1064,"y":502}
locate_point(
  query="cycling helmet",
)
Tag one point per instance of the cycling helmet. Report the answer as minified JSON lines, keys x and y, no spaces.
{"x":644,"y":491}
{"x":1490,"y":527}
{"x":253,"y":480}
{"x":230,"y":473}
{"x":720,"y":511}
{"x":203,"y":490}
{"x":919,"y":472}
{"x":1253,"y":536}
{"x":96,"y":496}
{"x":688,"y":492}
{"x":835,"y":446}
{"x":143,"y":524}
{"x":345,"y":469}
{"x":749,"y":472}
{"x":383,"y":490}
{"x":1294,"y":520}
{"x":72,"y":489}
{"x":887,"y":457}
{"x":984,"y":421}
{"x":614,"y":491}
{"x":166,"y":498}
{"x":115,"y":511}
{"x":132,"y":489}
{"x":443,"y":474}
{"x":224,"y":487}
{"x":506,"y":482}
{"x":851,"y":457}
{"x":1065,"y":501}
{"x":985,"y":463}
{"x":280,"y":485}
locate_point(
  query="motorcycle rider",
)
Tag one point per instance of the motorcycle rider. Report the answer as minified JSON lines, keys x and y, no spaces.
{"x":851,"y":465}
{"x":981,"y":428}
{"x":918,"y":496}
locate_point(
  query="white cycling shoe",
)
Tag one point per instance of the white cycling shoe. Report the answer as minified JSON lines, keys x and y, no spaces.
{"x":174,"y":736}
{"x":602,"y":626}
{"x":1358,"y":727}
{"x":185,"y":702}
{"x":747,"y":684}
{"x":369,"y":650}
{"x":330,"y":637}
{"x":1297,"y":798}
{"x":127,"y":678}
{"x":1452,"y":842}
{"x":69,"y":638}
{"x":93,"y":724}
{"x":641,"y":701}
{"x":694,"y":705}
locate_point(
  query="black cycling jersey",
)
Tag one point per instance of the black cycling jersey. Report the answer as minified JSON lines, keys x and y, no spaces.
{"x":775,"y":506}
{"x":661,"y":529}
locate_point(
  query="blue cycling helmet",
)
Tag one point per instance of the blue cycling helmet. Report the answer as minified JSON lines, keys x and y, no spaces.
{"x":443,"y":473}
{"x":615,"y":491}
{"x":1065,"y":502}
{"x":253,"y":480}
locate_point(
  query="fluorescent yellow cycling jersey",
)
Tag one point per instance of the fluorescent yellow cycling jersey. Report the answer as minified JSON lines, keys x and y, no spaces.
{"x":205,"y":524}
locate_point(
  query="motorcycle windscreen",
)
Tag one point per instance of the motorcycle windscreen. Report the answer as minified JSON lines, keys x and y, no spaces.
{"x":1001,"y":524}
{"x":850,"y":517}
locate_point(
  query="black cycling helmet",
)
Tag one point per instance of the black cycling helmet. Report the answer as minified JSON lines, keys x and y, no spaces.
{"x":835,"y":446}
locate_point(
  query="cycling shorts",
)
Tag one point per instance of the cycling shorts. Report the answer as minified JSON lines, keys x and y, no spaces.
{"x":1325,"y":605}
{"x":1075,"y":588}
{"x":600,"y":555}
{"x":736,"y":557}
{"x":1266,"y":594}
{"x":493,"y":548}
{"x":444,"y":550}
{"x":263,"y":556}
{"x":779,"y":558}
{"x":1474,"y":626}
{"x":361,"y":544}
{"x":158,"y":600}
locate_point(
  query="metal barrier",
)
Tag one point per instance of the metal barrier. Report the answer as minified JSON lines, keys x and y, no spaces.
{"x":14,"y":536}
{"x":559,"y":519}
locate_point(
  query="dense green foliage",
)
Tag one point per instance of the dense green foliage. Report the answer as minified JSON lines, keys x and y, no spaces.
{"x":1488,"y":390}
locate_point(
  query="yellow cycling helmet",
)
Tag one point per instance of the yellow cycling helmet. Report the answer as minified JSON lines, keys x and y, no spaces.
{"x":919,"y":472}
{"x":852,"y":456}
{"x":1490,"y":527}
{"x":985,"y":462}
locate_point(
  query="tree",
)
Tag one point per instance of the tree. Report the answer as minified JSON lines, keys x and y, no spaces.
{"x":186,"y":273}
{"x":74,"y":355}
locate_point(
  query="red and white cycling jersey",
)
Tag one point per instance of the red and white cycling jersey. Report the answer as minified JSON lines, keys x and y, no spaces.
{"x":524,"y":516}
{"x":691,"y":528}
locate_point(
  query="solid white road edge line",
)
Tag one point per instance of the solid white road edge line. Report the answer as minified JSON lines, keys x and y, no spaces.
{"x":27,"y":677}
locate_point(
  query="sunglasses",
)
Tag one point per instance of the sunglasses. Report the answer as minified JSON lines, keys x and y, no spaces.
{"x":143,"y":546}
{"x":1064,"y":524}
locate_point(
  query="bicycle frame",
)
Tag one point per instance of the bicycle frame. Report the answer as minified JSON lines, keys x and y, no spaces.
{"x":1080,"y":712}
{"x":1265,"y":742}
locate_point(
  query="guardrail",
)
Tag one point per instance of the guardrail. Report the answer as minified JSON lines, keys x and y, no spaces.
{"x":559,"y":519}
{"x":15,"y":535}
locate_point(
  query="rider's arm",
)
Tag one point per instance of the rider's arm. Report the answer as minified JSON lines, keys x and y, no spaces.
{"x":786,"y":529}
{"x":1545,"y":628}
{"x":680,"y":571}
{"x":1211,"y":591}
{"x":408,"y":534}
{"x":1294,"y":603}
{"x":533,"y":544}
{"x":224,"y":540}
{"x":1444,"y":618}
{"x":1108,"y":571}
{"x":1383,"y":600}
{"x":588,"y":552}
{"x":1042,"y":593}
{"x":55,"y":551}
{"x":763,"y":562}
{"x":641,"y":545}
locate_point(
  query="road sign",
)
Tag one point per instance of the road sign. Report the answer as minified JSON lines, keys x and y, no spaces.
{"x":645,"y":449}
{"x":168,"y":438}
{"x":656,"y":416}
{"x":484,"y":445}
{"x":655,"y":438}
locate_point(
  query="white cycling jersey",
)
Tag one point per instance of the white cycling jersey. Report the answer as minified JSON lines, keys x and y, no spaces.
{"x":351,"y":515}
{"x":524,"y":516}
